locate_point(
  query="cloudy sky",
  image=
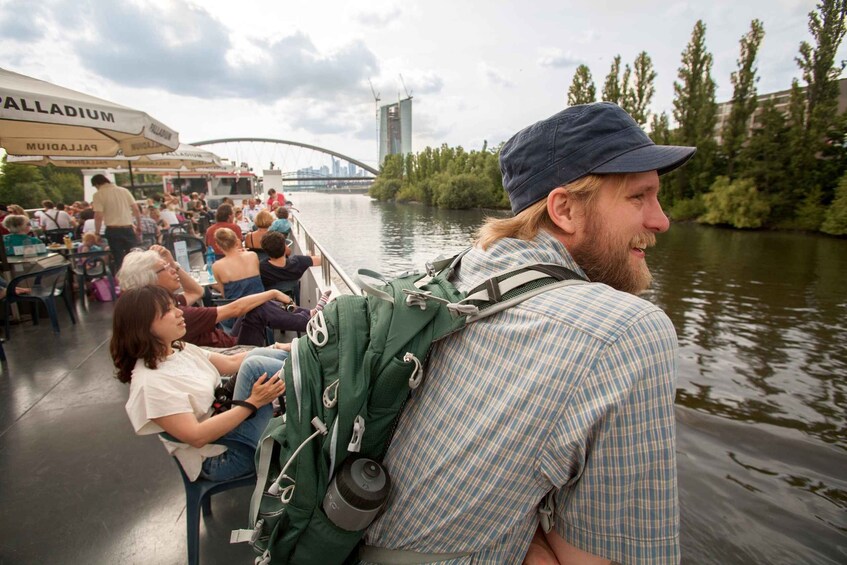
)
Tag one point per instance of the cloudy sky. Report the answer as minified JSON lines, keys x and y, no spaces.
{"x":299,"y":70}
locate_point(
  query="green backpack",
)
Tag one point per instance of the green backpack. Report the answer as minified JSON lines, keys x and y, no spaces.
{"x":346,"y":385}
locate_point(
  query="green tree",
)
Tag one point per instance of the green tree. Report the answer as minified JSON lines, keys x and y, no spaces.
{"x":642,"y":90}
{"x":582,"y":90}
{"x":660,"y":130}
{"x":626,"y":101}
{"x":766,"y":159}
{"x":23,"y":185}
{"x":743,"y":107}
{"x":835,"y":221}
{"x":735,"y":203}
{"x":820,"y":73}
{"x":612,"y":87}
{"x":827,"y":26}
{"x":66,"y":185}
{"x":695,"y":113}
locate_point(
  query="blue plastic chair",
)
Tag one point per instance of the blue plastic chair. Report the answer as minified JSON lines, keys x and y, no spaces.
{"x":44,"y":286}
{"x":198,"y":495}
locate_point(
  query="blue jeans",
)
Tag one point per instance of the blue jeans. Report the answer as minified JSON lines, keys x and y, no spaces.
{"x":271,"y":352}
{"x":241,"y":442}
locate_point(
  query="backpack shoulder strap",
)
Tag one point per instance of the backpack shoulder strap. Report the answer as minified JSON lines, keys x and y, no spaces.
{"x":513,"y":287}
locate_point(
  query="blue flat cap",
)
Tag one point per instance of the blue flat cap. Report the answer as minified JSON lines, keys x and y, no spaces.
{"x":596,"y":138}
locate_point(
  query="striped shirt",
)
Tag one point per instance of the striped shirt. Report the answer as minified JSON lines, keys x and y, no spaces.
{"x":572,"y":391}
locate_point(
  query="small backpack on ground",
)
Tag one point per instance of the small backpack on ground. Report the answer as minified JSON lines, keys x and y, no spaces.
{"x":346,"y":385}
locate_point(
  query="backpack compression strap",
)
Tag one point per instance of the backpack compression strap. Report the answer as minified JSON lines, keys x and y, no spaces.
{"x":513,"y":287}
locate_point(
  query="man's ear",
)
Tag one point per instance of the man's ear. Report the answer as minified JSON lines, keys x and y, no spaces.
{"x":564,"y":210}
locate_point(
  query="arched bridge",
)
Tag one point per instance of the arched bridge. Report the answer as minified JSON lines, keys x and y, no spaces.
{"x":254,"y":151}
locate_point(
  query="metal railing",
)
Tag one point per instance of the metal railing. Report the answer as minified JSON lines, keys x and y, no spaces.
{"x":331,"y":271}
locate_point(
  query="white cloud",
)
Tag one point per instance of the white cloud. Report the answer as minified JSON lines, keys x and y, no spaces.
{"x":495,"y":77}
{"x":558,"y":59}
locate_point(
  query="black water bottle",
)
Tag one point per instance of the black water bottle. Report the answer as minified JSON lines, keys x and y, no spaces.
{"x":357,"y":493}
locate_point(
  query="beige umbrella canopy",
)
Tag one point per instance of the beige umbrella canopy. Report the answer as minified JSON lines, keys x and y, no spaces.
{"x":40,"y":118}
{"x":185,"y":157}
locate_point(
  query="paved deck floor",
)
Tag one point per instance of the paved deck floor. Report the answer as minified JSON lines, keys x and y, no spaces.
{"x":77,"y":486}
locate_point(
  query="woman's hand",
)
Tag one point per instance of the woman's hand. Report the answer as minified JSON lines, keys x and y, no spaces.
{"x":266,"y":389}
{"x":282,"y":346}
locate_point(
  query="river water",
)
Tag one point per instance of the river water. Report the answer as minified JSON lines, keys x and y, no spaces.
{"x":762,"y":390}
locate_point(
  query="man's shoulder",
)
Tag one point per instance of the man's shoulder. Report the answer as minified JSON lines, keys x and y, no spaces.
{"x":599,"y":311}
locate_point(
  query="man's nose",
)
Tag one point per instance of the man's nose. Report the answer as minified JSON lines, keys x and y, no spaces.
{"x":655,"y":219}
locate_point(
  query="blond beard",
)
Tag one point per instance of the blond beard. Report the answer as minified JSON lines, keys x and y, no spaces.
{"x":607,"y":259}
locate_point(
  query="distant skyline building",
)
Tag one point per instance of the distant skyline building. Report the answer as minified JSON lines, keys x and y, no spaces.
{"x":395,"y":129}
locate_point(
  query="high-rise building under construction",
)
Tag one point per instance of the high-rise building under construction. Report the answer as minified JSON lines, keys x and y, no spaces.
{"x":395,"y":129}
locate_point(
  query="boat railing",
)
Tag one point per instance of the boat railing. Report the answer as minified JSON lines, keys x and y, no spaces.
{"x":332,"y":275}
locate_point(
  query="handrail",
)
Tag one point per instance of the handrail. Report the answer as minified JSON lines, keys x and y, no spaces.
{"x":328,"y":263}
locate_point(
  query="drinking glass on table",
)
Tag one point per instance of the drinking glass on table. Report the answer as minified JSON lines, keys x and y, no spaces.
{"x":195,"y":274}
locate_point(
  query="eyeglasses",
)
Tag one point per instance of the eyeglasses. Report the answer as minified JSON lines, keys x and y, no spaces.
{"x":165,"y":268}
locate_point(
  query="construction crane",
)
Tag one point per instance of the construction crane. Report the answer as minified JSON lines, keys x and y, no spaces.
{"x":403,"y":82}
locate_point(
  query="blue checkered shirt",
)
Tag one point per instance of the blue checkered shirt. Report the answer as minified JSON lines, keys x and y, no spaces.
{"x":571,"y":391}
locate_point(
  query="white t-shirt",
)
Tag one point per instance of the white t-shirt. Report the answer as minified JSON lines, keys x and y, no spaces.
{"x":88,"y":227}
{"x":62,"y":220}
{"x":169,"y":216}
{"x":183,"y":383}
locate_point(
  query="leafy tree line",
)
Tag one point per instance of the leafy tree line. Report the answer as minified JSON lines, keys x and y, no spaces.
{"x":787,"y":171}
{"x":447,"y":177}
{"x":27,"y":186}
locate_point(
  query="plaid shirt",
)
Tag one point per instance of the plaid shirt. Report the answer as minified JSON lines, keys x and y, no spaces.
{"x":570,"y":390}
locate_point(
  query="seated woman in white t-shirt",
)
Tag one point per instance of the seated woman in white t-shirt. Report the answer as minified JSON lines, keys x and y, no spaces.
{"x":172,"y":387}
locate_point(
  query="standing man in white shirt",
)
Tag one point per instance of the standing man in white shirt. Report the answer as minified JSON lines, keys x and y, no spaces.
{"x":115,"y":206}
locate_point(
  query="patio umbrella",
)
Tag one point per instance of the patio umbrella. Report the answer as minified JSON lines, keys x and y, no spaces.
{"x":40,"y":118}
{"x":186,"y":157}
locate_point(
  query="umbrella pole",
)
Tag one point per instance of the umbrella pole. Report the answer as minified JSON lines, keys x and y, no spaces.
{"x":131,"y":180}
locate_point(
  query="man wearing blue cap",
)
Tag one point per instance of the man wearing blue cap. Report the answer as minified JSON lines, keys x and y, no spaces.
{"x":546,"y":432}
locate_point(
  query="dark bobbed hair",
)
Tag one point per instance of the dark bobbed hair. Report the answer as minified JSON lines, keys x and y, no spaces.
{"x":273,"y":243}
{"x":223,"y":213}
{"x":135,"y":312}
{"x":98,"y":180}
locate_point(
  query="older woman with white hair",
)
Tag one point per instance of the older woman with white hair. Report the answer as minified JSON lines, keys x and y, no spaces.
{"x":18,"y":227}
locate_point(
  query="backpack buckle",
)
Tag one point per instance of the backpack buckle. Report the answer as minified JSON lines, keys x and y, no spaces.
{"x":358,"y":431}
{"x":316,"y":329}
{"x":420,"y":298}
{"x":330,"y":395}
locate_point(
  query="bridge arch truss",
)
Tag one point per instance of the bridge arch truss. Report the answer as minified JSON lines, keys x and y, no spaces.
{"x":260,"y":160}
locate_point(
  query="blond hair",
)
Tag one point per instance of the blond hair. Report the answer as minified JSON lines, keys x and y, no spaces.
{"x":529,"y":221}
{"x":263,"y":219}
{"x":226,"y":239}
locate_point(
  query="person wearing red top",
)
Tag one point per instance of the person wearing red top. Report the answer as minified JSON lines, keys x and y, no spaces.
{"x":275,"y":197}
{"x":224,"y":217}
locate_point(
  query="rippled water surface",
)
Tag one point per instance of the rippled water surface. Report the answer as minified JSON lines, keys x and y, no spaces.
{"x":762,"y":392}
